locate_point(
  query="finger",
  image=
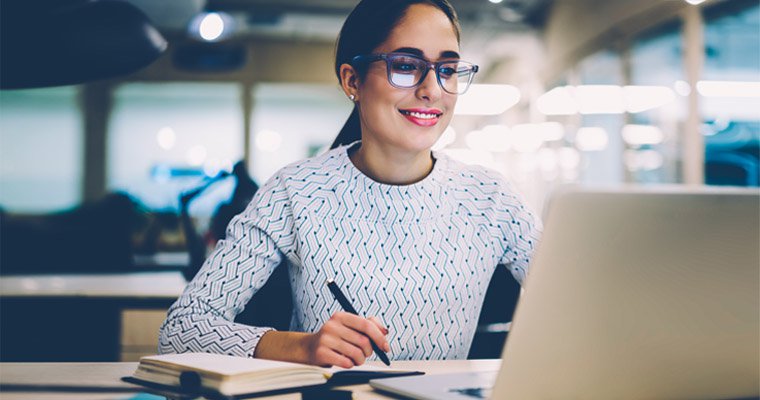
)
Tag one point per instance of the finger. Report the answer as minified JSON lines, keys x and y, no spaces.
{"x":327,"y":357}
{"x":385,"y":346}
{"x":342,"y":361}
{"x":368,"y":328}
{"x":357,"y":339}
{"x":336,"y":328}
{"x":353,"y":353}
{"x":337,"y":343}
{"x":379,"y":324}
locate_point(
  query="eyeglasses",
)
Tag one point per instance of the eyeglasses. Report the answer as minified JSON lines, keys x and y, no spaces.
{"x":406,"y":71}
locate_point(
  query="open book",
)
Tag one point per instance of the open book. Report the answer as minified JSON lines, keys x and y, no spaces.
{"x":198,"y":373}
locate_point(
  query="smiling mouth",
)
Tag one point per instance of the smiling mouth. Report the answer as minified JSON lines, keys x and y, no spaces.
{"x":421,"y":115}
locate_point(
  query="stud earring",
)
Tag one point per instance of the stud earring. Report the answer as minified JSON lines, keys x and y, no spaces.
{"x":352,"y":97}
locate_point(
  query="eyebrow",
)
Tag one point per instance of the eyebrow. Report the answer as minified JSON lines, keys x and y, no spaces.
{"x":418,"y":52}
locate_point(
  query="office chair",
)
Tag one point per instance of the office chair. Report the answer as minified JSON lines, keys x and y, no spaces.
{"x":498,"y":307}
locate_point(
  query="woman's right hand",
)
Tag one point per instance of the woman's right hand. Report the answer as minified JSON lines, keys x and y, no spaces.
{"x":344,"y":340}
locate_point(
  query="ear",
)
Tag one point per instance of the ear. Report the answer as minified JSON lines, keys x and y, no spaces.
{"x":349,"y":81}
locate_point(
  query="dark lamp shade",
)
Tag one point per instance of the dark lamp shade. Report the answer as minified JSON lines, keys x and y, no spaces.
{"x":45,"y":44}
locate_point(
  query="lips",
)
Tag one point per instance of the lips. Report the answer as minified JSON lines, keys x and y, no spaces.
{"x":422,"y":116}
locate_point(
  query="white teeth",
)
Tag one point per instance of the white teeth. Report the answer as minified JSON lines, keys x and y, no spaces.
{"x":421,"y":115}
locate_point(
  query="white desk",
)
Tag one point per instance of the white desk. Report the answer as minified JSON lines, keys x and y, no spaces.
{"x":143,"y":285}
{"x":107,"y":376}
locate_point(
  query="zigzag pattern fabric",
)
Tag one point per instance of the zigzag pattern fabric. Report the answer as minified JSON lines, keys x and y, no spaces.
{"x":419,"y":257}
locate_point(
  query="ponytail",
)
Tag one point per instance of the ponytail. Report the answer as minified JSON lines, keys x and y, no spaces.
{"x":351,"y":130}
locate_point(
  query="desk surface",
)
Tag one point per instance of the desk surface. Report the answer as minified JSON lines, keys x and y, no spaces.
{"x":142,"y":285}
{"x":58,"y":376}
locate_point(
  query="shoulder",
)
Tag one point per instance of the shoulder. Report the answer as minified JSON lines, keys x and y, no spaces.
{"x":309,"y":170}
{"x":326,"y":163}
{"x":484,"y":189}
{"x":282,"y":190}
{"x":470,"y":177}
{"x":315,"y":175}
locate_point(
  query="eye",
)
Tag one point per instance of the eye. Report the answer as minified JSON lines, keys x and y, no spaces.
{"x":405,"y":65}
{"x":446,"y":71}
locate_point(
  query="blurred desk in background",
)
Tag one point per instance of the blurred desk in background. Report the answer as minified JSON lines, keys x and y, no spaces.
{"x":162,"y":260}
{"x":67,"y":381}
{"x":144,"y":286}
{"x":84,"y":317}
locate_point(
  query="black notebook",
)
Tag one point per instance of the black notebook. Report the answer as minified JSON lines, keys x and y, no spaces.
{"x":222,"y":376}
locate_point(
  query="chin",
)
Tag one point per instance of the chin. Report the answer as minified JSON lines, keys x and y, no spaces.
{"x":424,"y":143}
{"x":418,"y":139}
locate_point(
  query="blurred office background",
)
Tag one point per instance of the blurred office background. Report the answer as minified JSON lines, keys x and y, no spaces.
{"x":593,"y":92}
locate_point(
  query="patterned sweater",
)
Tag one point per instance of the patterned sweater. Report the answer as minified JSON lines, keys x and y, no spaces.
{"x":419,"y":257}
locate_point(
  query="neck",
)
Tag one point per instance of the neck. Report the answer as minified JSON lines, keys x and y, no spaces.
{"x":390,"y":166}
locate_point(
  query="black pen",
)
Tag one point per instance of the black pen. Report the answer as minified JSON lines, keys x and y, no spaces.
{"x":349,"y":308}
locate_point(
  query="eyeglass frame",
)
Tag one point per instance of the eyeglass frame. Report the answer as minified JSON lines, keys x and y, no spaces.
{"x":435,"y":65}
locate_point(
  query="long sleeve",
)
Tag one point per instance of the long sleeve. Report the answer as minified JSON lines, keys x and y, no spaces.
{"x":201,"y":320}
{"x":520,"y":230}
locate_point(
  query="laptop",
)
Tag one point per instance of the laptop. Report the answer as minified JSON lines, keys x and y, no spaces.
{"x":633,"y":293}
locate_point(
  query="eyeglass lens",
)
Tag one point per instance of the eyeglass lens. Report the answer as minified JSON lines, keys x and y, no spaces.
{"x":407,"y":72}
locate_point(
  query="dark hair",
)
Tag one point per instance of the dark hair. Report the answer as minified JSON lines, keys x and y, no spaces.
{"x":367,"y":27}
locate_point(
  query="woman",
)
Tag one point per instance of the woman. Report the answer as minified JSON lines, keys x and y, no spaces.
{"x":411,"y":236}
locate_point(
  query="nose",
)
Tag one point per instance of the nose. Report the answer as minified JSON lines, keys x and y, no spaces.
{"x":429,"y":89}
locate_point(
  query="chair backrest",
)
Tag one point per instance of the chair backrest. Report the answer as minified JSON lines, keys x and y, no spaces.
{"x":498,"y":307}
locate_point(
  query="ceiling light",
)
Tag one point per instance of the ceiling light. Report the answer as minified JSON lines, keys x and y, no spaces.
{"x":600,"y":99}
{"x":682,"y":88}
{"x":494,"y":138}
{"x":728,"y":89}
{"x":558,"y":101}
{"x":166,"y":138}
{"x":695,"y":2}
{"x":211,"y":27}
{"x":527,"y":138}
{"x":495,"y":1}
{"x":483,"y":99}
{"x":603,"y":99}
{"x":643,"y":98}
{"x":646,"y":160}
{"x":640,"y":135}
{"x":547,"y":160}
{"x":552,"y":131}
{"x":568,"y":158}
{"x":591,"y":139}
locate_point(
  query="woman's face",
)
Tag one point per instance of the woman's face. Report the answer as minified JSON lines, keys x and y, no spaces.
{"x":409,"y":120}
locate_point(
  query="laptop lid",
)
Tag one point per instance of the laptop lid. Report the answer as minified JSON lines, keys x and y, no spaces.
{"x":640,"y":293}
